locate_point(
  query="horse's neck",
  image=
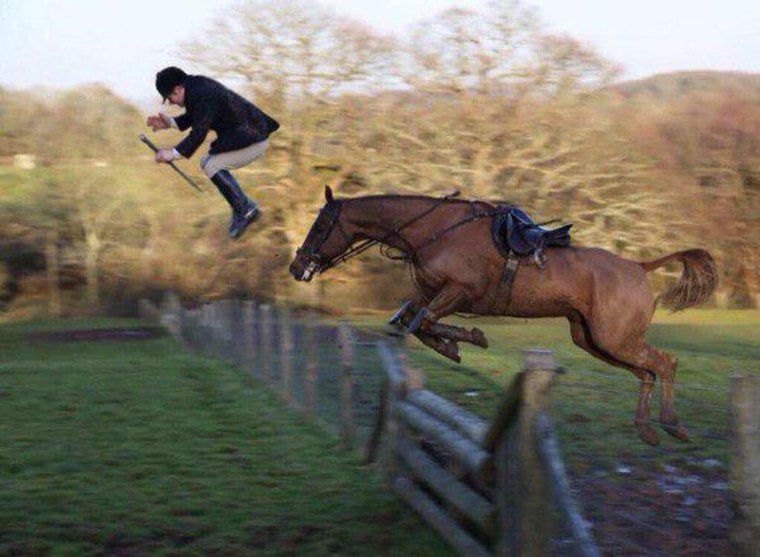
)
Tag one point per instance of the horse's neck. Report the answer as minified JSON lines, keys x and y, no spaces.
{"x":379,"y":217}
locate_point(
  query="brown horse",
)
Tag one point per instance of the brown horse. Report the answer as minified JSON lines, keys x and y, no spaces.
{"x":458,"y":268}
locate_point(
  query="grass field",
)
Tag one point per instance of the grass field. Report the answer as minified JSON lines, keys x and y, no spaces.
{"x":138,"y":448}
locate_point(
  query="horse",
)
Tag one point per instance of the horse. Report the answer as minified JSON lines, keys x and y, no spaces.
{"x":457,"y":268}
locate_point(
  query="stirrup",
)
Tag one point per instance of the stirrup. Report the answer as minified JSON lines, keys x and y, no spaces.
{"x":400,"y":312}
{"x":417,"y":321}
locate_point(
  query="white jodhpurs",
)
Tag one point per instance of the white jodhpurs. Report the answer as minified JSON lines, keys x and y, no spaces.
{"x":211,"y":164}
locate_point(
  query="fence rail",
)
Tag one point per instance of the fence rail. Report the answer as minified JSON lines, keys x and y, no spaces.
{"x":483,"y":486}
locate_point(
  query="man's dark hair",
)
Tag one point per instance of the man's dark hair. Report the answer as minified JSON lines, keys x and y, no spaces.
{"x":168,"y":78}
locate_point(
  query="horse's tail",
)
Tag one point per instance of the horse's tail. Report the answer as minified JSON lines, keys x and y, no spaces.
{"x":698,"y":278}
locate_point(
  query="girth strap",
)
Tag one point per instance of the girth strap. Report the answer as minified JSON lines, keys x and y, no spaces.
{"x":503,"y":292}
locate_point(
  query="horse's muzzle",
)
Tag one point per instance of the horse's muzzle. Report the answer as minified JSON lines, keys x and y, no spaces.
{"x":303,"y":271}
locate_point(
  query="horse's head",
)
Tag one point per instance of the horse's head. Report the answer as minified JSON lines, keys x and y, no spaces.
{"x":326,"y":240}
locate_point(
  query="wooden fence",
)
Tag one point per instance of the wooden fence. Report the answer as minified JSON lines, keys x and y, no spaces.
{"x":323,"y":371}
{"x":487,"y":488}
{"x":497,"y":488}
{"x":745,"y":464}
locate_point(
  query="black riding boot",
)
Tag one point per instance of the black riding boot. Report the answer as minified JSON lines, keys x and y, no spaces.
{"x":244,"y":211}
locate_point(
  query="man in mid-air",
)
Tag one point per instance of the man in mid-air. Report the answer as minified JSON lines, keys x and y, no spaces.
{"x":242,"y":131}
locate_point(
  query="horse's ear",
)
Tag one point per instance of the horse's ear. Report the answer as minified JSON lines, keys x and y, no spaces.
{"x":328,"y":194}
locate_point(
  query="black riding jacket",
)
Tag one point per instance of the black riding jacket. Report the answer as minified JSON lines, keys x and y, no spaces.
{"x":209,"y":105}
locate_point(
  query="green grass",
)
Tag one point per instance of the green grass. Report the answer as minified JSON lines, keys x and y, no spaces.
{"x":139,"y":448}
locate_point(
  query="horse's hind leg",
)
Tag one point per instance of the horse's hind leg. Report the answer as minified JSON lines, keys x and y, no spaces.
{"x":582,"y":338}
{"x":646,"y":356}
{"x":634,"y":351}
{"x":667,"y":364}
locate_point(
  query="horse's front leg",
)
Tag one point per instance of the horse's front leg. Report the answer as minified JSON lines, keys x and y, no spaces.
{"x":446,"y":302}
{"x":449,"y":349}
{"x":445,"y":347}
{"x":473,"y":336}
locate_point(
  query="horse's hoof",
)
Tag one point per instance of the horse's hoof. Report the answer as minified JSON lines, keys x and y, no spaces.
{"x":479,"y":338}
{"x":677,"y":431}
{"x":451,"y":351}
{"x":649,"y":435}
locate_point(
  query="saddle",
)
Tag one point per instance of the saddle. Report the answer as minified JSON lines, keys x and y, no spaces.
{"x":513,"y":231}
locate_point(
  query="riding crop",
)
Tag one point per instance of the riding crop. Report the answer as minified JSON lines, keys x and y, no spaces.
{"x":155,"y":149}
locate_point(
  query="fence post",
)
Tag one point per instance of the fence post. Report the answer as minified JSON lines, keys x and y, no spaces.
{"x":745,"y":464}
{"x":266,"y":343}
{"x":394,"y":389}
{"x":169,"y":314}
{"x":203,"y":332}
{"x":213,"y":329}
{"x":217,"y":326}
{"x":522,"y":493}
{"x":346,"y":385}
{"x":249,"y":315}
{"x":286,"y":355}
{"x":235,"y":325}
{"x":193,"y":319}
{"x":310,"y":381}
{"x":227,"y":329}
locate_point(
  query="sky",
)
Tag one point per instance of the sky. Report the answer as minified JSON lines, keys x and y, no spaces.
{"x":64,"y":43}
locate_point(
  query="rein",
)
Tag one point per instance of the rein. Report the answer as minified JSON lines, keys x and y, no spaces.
{"x":437,"y":236}
{"x":366,"y":244}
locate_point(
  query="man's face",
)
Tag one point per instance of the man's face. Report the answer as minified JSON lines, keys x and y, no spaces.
{"x":177,"y":96}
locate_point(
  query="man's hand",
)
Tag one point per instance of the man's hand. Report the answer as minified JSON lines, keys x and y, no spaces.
{"x":164,"y":155}
{"x":159,"y":121}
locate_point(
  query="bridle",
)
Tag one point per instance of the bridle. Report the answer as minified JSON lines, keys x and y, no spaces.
{"x":317,"y":263}
{"x":313,"y":260}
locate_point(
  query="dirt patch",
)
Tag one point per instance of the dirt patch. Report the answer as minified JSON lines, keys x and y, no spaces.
{"x":120,"y":334}
{"x":673,"y":512}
